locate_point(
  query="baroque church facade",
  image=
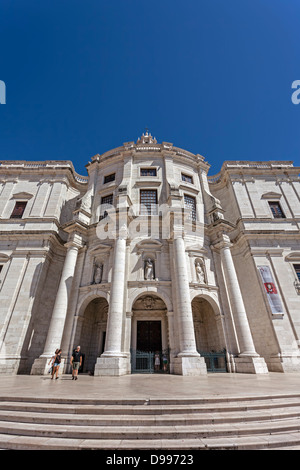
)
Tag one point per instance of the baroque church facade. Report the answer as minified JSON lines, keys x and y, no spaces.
{"x":148,"y":255}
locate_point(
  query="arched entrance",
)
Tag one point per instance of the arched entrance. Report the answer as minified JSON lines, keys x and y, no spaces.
{"x":210,"y":341}
{"x":91,"y":332}
{"x":149,"y":335}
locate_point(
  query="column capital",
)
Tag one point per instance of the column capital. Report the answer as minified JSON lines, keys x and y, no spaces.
{"x":76,"y":240}
{"x":222,"y":242}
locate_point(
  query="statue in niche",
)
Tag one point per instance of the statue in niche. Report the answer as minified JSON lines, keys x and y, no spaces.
{"x":149,"y":270}
{"x":98,"y":271}
{"x":200,"y":272}
{"x":215,"y":216}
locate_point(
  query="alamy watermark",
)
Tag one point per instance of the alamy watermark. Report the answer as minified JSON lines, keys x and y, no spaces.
{"x":2,"y":92}
{"x":296,"y":95}
{"x":160,"y":222}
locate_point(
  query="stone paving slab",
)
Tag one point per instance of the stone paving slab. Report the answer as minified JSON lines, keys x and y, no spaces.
{"x":154,"y":387}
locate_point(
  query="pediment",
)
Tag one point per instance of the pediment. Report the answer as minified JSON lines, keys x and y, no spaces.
{"x":294,"y":256}
{"x":271,"y":195}
{"x":22,"y":195}
{"x":100,"y":249}
{"x":149,"y":244}
{"x":196,"y":250}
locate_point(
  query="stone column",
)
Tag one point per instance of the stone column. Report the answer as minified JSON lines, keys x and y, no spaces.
{"x":248,"y":360}
{"x":115,"y":316}
{"x":56,"y":328}
{"x":113,"y":361}
{"x":188,"y":361}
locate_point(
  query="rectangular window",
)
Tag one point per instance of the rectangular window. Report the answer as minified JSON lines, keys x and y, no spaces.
{"x":148,"y":171}
{"x":297,"y":270}
{"x":106,"y":202}
{"x":18,"y":211}
{"x":109,"y":178}
{"x":1,"y":266}
{"x":190,"y":205}
{"x":148,"y":201}
{"x":186,"y":178}
{"x":276,"y":210}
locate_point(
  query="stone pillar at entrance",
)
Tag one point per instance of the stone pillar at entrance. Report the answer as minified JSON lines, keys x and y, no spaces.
{"x":113,"y":361}
{"x":188,"y":361}
{"x":248,"y":360}
{"x":56,"y":328}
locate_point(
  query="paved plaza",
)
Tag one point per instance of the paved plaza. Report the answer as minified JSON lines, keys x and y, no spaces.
{"x":152,"y":386}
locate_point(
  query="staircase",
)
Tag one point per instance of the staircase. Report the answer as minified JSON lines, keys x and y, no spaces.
{"x":268,"y":422}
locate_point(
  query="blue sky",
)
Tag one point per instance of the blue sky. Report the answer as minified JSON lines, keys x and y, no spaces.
{"x":211,"y":76}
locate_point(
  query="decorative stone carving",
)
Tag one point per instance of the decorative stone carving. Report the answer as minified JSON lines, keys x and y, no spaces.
{"x":147,"y":139}
{"x":149,"y":269}
{"x":98,"y":271}
{"x":149,"y":302}
{"x":200,"y":273}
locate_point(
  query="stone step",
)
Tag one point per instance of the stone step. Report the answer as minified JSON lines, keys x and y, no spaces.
{"x":153,"y":401}
{"x":264,"y":399}
{"x":289,"y":441}
{"x":149,"y":432}
{"x":182,"y":419}
{"x":146,"y":409}
{"x":230,"y":423}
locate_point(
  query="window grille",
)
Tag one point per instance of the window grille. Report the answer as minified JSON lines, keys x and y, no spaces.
{"x":148,"y":201}
{"x":148,"y":171}
{"x":276,"y":210}
{"x":106,"y":202}
{"x":109,"y":178}
{"x":190,"y":205}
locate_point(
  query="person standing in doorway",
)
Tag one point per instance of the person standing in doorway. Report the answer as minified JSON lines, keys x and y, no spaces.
{"x":157,"y":361}
{"x":76,"y":360}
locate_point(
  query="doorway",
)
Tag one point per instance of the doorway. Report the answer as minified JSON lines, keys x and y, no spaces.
{"x":149,"y":341}
{"x":209,"y":335}
{"x":148,"y":336}
{"x":91,"y":332}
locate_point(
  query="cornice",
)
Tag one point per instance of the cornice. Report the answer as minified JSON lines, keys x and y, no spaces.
{"x":246,"y":171}
{"x":54,"y":169}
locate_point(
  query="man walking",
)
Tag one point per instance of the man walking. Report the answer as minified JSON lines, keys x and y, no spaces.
{"x":76,"y":360}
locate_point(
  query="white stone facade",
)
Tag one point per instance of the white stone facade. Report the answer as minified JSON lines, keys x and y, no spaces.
{"x":212,"y":265}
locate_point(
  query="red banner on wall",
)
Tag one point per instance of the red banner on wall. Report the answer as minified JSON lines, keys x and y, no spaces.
{"x":270,"y":288}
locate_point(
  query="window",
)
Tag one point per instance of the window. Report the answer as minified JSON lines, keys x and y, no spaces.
{"x":186,"y":178}
{"x":18,"y":211}
{"x":106,"y":202}
{"x":1,"y":266}
{"x":297,"y":270}
{"x":148,"y":201}
{"x":148,"y":171}
{"x":109,"y":178}
{"x":190,"y":205}
{"x":276,"y":210}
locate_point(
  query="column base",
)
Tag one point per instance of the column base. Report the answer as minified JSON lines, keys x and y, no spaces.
{"x":112,"y":366}
{"x":250,"y":365}
{"x":189,"y":365}
{"x":41,"y":366}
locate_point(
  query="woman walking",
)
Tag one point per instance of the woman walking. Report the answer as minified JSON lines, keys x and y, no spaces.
{"x":56,"y":363}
